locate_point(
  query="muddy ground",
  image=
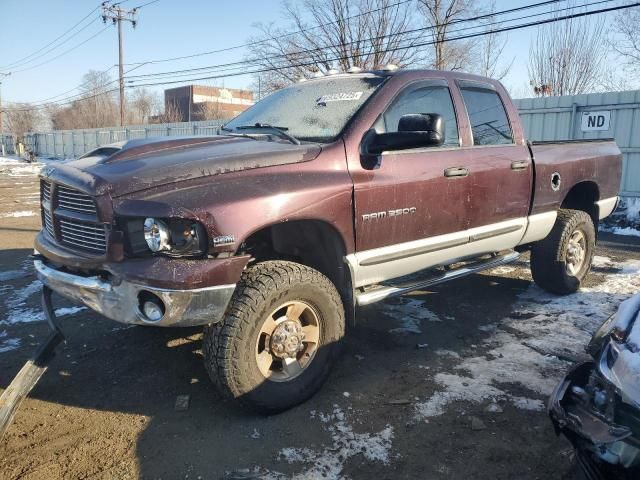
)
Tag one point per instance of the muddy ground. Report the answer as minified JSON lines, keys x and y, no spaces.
{"x":445,"y":383}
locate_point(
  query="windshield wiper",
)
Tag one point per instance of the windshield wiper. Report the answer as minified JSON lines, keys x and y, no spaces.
{"x":282,"y":131}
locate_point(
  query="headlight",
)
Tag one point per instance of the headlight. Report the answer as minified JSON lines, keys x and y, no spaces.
{"x":175,"y":237}
{"x":157,"y":235}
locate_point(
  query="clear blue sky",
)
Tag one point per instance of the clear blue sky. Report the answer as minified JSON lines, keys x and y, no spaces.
{"x":165,"y":29}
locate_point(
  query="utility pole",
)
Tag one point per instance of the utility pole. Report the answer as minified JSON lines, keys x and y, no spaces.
{"x":2,"y":75}
{"x":118,"y":15}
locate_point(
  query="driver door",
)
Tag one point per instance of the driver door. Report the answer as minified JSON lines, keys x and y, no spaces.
{"x":417,"y":199}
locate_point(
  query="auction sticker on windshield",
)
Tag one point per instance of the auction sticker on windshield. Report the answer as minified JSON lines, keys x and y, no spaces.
{"x":339,"y":97}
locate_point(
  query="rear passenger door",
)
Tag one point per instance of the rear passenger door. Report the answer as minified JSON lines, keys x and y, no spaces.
{"x":500,"y":167}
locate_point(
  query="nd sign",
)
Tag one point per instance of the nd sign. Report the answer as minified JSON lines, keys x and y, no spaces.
{"x":593,"y":121}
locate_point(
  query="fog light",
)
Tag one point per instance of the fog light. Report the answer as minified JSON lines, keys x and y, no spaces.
{"x":153,"y":309}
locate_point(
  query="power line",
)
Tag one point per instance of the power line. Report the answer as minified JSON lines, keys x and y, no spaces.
{"x":416,"y":30}
{"x":23,"y":60}
{"x":63,"y":53}
{"x":255,"y":63}
{"x":244,"y":45}
{"x":456,"y":38}
{"x":462,"y":37}
{"x":145,"y":4}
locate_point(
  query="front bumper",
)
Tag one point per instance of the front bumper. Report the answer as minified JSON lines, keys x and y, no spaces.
{"x":589,"y":432}
{"x":121,"y":301}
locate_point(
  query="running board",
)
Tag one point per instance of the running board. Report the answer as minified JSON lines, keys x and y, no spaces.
{"x":383,"y":292}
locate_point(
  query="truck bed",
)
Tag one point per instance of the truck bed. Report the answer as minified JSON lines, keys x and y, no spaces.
{"x":598,"y":162}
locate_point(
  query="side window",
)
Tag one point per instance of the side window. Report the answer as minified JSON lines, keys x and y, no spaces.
{"x":424,"y":99}
{"x":489,"y":121}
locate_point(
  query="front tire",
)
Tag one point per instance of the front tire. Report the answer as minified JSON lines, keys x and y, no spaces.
{"x":560,"y":262}
{"x":279,"y":338}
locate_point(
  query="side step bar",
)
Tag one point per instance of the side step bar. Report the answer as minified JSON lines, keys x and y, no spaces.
{"x":383,"y":292}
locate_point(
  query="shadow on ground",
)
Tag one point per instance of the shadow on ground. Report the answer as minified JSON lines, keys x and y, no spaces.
{"x":135,"y":374}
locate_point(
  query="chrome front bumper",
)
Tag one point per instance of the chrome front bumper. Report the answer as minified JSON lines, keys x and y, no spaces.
{"x":120,"y":302}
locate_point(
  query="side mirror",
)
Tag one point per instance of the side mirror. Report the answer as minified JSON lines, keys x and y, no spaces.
{"x":414,"y":131}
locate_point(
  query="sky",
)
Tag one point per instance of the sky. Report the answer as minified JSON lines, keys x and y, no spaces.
{"x":165,"y":29}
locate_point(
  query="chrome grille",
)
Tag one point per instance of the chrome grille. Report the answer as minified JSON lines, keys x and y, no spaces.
{"x":48,"y":223}
{"x":45,"y":188}
{"x":70,"y":199}
{"x":70,"y":218}
{"x":83,"y":235}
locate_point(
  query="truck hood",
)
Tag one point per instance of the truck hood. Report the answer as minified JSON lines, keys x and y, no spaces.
{"x":136,"y":165}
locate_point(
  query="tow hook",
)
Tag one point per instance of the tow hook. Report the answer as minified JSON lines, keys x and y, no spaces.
{"x":33,"y":370}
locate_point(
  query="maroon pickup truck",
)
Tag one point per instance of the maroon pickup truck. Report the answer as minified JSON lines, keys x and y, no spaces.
{"x":329,"y":194}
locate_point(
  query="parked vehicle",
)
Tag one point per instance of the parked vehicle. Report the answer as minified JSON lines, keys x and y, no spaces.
{"x":597,"y":405}
{"x":318,"y":199}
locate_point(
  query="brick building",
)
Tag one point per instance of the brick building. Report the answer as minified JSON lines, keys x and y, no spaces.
{"x":199,"y":102}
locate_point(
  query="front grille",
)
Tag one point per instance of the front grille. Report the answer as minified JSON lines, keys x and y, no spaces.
{"x":75,"y":201}
{"x":48,"y":223}
{"x":70,"y":218}
{"x":83,"y":236}
{"x":46,"y":190}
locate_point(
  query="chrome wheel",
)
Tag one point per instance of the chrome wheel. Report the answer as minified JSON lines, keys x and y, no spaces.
{"x":576,"y":252}
{"x":288,"y":341}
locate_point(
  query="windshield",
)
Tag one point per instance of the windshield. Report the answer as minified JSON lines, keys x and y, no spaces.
{"x":314,"y":111}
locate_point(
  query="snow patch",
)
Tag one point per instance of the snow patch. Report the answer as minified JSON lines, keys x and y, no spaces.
{"x":632,"y":205}
{"x":16,"y":168}
{"x":20,"y":213}
{"x":528,"y":404}
{"x":544,"y":335}
{"x":447,"y":353}
{"x":329,"y":462}
{"x":19,"y":312}
{"x":628,"y":231}
{"x":409,"y":314}
{"x":8,"y":344}
{"x":12,"y":275}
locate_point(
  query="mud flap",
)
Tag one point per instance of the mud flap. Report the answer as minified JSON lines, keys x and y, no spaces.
{"x":33,"y":370}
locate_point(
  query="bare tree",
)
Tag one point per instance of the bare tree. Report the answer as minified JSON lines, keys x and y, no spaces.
{"x":96,"y":106}
{"x":349,"y":33}
{"x":172,"y":114}
{"x":492,"y":48}
{"x":210,"y":111}
{"x":626,"y":40}
{"x":440,"y":17}
{"x":141,"y":103}
{"x":567,"y":57}
{"x":22,"y":118}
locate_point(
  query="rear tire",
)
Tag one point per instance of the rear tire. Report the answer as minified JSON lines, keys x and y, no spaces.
{"x":560,"y":262}
{"x":279,"y":338}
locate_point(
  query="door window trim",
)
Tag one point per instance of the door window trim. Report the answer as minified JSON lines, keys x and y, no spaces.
{"x":429,"y":82}
{"x":479,"y":85}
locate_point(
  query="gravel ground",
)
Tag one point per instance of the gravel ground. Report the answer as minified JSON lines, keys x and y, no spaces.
{"x":446,"y":383}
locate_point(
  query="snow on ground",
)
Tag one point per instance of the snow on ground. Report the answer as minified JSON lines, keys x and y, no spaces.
{"x":533,"y":347}
{"x":628,"y":231}
{"x":330,"y":460}
{"x":7,"y":344}
{"x":14,"y":167}
{"x":632,"y":206}
{"x":409,"y":313}
{"x":17,"y":310}
{"x":19,"y":213}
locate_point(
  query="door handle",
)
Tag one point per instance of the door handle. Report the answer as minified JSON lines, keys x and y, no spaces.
{"x":456,"y":172}
{"x":519,"y":165}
